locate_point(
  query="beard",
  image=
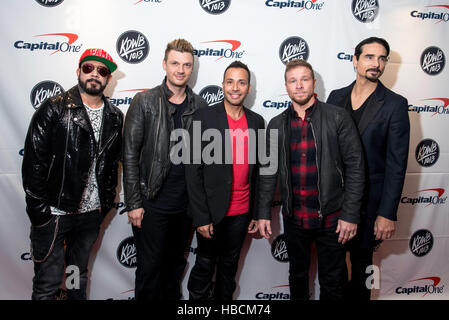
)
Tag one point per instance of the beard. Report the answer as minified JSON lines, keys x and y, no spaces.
{"x":373,"y":78}
{"x":303,"y":101}
{"x":97,"y":91}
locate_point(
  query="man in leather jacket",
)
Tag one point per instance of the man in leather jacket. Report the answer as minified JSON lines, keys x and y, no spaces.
{"x":321,"y":177}
{"x":69,"y":173}
{"x":155,"y":191}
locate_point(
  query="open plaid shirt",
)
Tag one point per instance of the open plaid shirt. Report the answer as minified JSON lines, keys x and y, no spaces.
{"x":305,"y":175}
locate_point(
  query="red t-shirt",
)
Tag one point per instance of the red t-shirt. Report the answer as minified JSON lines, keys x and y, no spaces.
{"x":240,"y":167}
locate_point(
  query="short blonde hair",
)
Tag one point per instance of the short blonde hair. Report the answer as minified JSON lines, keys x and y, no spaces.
{"x":180,"y":45}
{"x":298,"y":63}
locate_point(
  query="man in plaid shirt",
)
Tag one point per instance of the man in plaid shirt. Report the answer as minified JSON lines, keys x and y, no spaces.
{"x":321,"y":176}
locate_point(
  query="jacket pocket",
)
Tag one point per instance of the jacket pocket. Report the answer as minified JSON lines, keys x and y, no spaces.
{"x":51,"y":166}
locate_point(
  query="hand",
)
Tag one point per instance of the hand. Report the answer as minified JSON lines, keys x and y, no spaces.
{"x":206,"y":231}
{"x":383,"y":228}
{"x":347,"y":231}
{"x":265,"y":228}
{"x":253,"y":226}
{"x":135,"y":217}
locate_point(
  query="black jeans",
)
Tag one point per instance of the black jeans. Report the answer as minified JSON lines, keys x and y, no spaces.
{"x":331,"y":261}
{"x":223,"y":252}
{"x":161,"y":244}
{"x":78,"y":232}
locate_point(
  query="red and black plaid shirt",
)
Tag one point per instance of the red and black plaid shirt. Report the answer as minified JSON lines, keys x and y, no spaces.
{"x":304,"y":174}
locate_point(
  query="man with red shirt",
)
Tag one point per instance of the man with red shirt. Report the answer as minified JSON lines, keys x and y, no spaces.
{"x":222,"y":191}
{"x":321,"y":177}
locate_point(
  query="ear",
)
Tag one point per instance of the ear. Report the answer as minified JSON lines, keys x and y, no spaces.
{"x":354,"y":61}
{"x":164,"y":64}
{"x":77,"y":73}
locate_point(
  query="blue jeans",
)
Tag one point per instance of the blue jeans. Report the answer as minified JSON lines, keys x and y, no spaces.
{"x":78,"y":232}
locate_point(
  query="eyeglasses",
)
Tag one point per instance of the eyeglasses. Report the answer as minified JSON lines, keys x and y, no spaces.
{"x":89,"y":67}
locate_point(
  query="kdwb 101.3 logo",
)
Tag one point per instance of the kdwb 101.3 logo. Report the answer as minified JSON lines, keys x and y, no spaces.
{"x":293,"y":48}
{"x":432,"y":60}
{"x":427,"y":152}
{"x":421,"y":242}
{"x":215,"y":6}
{"x":365,"y":10}
{"x":49,"y":3}
{"x":126,"y":253}
{"x":212,"y":94}
{"x":279,"y":249}
{"x":132,"y":46}
{"x":44,"y":90}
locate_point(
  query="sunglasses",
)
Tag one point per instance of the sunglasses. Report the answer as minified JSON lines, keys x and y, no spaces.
{"x":88,"y":68}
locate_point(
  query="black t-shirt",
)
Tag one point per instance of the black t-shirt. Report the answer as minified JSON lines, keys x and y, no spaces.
{"x":356,"y":114}
{"x":172,"y":197}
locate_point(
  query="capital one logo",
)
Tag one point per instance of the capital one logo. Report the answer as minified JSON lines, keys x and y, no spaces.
{"x":212,"y":94}
{"x":126,"y":253}
{"x":434,"y":108}
{"x":58,"y":46}
{"x":427,"y":196}
{"x":431,"y":14}
{"x":293,"y":48}
{"x":132,"y":46}
{"x":427,"y":152}
{"x":44,"y":90}
{"x":365,"y":10}
{"x":277,"y":104}
{"x":432,"y":60}
{"x":215,"y":6}
{"x":303,"y":5}
{"x":126,"y":100}
{"x":427,"y":285}
{"x":279,"y":249}
{"x":49,"y":3}
{"x":220,"y":53}
{"x":152,"y":1}
{"x":421,"y":242}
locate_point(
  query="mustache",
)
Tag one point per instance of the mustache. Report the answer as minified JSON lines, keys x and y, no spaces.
{"x":94,"y":80}
{"x":374,"y":69}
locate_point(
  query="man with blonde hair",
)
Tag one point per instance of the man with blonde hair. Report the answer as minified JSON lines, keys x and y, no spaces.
{"x":155,"y":190}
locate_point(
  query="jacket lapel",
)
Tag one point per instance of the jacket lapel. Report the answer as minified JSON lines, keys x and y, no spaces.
{"x":223,"y":126}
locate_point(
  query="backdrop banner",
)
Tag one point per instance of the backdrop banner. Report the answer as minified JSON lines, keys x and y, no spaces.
{"x":42,"y":41}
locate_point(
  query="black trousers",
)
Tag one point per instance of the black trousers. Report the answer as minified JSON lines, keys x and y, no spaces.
{"x":356,"y":288}
{"x":160,"y":246}
{"x":331,"y":255}
{"x":77,"y":233}
{"x":221,"y":252}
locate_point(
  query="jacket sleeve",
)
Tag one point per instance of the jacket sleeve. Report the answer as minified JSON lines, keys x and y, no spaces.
{"x":194,"y":171}
{"x":36,"y":164}
{"x":354,"y":168}
{"x":331,"y":99}
{"x":133,"y":139}
{"x":112,"y":177}
{"x":268,"y":174}
{"x":396,"y":160}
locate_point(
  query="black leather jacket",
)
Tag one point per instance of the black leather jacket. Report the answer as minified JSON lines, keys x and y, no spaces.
{"x":60,"y":148}
{"x":339,"y":161}
{"x":146,"y":145}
